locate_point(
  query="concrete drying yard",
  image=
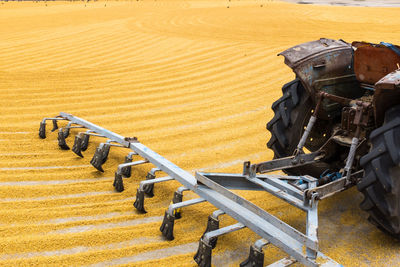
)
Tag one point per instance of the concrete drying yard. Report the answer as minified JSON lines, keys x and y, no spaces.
{"x":194,"y":81}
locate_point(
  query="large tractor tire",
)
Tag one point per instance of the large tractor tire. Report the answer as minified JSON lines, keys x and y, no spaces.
{"x":292,"y":112}
{"x":381,"y":183}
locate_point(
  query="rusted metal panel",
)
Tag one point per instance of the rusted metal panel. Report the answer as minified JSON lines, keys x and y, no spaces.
{"x":372,"y":61}
{"x":300,"y":53}
{"x":324,"y":59}
{"x":325,"y":65}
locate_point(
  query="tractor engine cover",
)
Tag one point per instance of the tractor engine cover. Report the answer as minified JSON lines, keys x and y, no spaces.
{"x":325,"y":65}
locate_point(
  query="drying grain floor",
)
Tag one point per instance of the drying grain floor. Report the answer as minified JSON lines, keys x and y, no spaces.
{"x":194,"y":81}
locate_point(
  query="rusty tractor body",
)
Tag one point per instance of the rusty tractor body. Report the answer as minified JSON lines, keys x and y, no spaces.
{"x":353,"y":91}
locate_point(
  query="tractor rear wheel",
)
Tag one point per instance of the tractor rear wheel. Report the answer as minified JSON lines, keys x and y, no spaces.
{"x":292,"y":112}
{"x":381,"y":183}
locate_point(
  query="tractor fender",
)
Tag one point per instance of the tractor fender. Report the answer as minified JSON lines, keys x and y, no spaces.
{"x":325,"y":65}
{"x":386,"y":95}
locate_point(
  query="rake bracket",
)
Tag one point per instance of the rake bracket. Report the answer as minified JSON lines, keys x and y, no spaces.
{"x":131,"y":139}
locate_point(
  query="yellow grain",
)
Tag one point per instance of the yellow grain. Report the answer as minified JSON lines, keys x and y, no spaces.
{"x":194,"y":81}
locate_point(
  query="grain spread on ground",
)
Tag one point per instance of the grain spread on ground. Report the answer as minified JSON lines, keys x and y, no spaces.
{"x":194,"y":81}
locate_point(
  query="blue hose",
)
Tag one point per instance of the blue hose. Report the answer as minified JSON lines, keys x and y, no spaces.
{"x":392,"y":47}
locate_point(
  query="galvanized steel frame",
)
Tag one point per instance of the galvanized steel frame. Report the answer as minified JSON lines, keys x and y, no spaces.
{"x":215,"y":188}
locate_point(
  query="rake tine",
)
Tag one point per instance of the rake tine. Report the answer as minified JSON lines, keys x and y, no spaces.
{"x":66,"y":129}
{"x":203,"y":254}
{"x":178,"y":197}
{"x":167,"y":226}
{"x":61,"y":140}
{"x":85,"y":142}
{"x":256,"y":255}
{"x":69,"y":127}
{"x":212,"y":225}
{"x":100,"y":156}
{"x":127,"y":170}
{"x":77,"y":147}
{"x":118,"y":182}
{"x":149,"y":188}
{"x":42,"y":128}
{"x":81,"y":142}
{"x":55,"y":126}
{"x":139,"y":202}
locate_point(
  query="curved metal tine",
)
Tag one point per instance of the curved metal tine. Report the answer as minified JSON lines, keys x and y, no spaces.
{"x":77,"y":147}
{"x":69,"y":126}
{"x":212,"y":225}
{"x":118,"y":182}
{"x":122,"y":168}
{"x":61,"y":140}
{"x":167,"y":226}
{"x":178,"y":197}
{"x":82,"y":141}
{"x":63,"y":133}
{"x":139,"y":202}
{"x":203,"y":255}
{"x":126,"y":171}
{"x":149,"y":188}
{"x":256,"y":255}
{"x":42,"y":127}
{"x":101,"y":155}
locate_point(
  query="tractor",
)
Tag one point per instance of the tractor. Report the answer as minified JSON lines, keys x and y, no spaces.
{"x":346,"y":99}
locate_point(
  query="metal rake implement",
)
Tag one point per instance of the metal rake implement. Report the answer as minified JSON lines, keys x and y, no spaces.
{"x":302,"y":192}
